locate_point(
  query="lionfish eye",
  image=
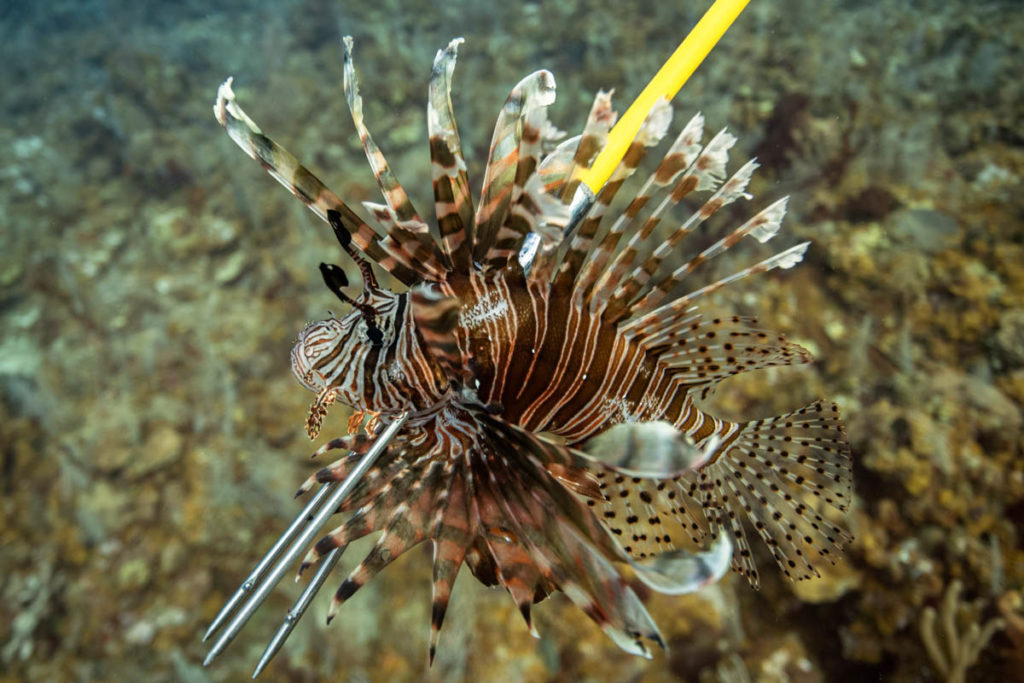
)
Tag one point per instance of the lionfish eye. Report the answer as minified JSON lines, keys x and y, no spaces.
{"x":374,"y":333}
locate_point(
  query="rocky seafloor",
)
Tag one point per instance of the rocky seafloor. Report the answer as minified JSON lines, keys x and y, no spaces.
{"x":152,"y":280}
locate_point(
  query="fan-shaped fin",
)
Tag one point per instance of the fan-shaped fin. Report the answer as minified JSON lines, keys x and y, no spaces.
{"x":562,"y":550}
{"x":780,"y":474}
{"x":382,"y":492}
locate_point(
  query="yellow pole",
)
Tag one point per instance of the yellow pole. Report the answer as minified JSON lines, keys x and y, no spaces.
{"x":666,"y":83}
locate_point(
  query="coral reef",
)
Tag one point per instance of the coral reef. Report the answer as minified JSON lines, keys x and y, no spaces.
{"x":152,"y":281}
{"x":957,"y":650}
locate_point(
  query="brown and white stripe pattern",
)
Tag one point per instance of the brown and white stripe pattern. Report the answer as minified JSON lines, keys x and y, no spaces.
{"x":486,"y":357}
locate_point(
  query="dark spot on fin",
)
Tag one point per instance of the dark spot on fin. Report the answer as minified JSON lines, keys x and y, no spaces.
{"x":346,"y":590}
{"x":343,"y":235}
{"x":524,"y":609}
{"x":335,"y":278}
{"x":437,"y":614}
{"x":325,"y":545}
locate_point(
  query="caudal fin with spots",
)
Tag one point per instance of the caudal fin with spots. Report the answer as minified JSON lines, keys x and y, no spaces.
{"x":782,"y":474}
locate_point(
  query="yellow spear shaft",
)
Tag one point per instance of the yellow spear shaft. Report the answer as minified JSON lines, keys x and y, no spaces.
{"x":666,"y":83}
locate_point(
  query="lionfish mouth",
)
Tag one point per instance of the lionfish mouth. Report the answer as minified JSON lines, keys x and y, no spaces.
{"x":587,"y":339}
{"x":310,"y":349}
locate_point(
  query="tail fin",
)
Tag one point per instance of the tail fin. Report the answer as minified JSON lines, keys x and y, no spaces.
{"x":781,"y":473}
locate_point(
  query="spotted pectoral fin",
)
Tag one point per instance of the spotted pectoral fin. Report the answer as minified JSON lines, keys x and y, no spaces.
{"x":437,"y":317}
{"x":789,"y":477}
{"x":699,"y":351}
{"x":642,"y":471}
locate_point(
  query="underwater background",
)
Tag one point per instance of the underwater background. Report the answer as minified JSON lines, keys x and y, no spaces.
{"x":152,"y":281}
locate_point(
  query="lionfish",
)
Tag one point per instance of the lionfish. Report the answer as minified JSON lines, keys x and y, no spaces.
{"x":550,"y":371}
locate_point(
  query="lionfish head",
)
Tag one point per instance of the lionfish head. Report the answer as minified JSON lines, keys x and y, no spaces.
{"x":327,"y":353}
{"x":317,"y":342}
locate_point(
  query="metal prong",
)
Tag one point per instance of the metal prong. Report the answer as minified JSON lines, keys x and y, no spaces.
{"x":299,"y":608}
{"x":333,"y":499}
{"x":257,"y":573}
{"x":582,"y":200}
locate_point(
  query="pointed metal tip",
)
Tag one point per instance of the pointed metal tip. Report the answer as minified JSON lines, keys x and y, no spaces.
{"x":275,"y":644}
{"x":228,"y":609}
{"x":262,"y":664}
{"x":330,"y":618}
{"x":271,"y":568}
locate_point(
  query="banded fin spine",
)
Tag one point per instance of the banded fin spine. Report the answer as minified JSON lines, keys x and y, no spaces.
{"x":640,"y":278}
{"x":510,"y":143}
{"x":701,"y":166}
{"x":451,"y":534}
{"x":301,"y":182}
{"x":407,"y":528}
{"x":593,"y":139}
{"x":532,"y":209}
{"x":516,"y":569}
{"x":408,"y":242}
{"x":374,"y":508}
{"x":651,"y":131}
{"x":646,"y":321}
{"x":394,"y":194}
{"x":453,"y":201}
{"x":570,"y":556}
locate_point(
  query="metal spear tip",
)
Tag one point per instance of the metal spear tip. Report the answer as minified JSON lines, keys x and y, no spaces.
{"x":267,"y":560}
{"x":275,"y":563}
{"x":298,"y":609}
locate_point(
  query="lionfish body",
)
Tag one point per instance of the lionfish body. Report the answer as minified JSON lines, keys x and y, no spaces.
{"x":552,"y":372}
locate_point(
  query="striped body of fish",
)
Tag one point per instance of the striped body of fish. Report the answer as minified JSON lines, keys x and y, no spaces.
{"x":551,"y":371}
